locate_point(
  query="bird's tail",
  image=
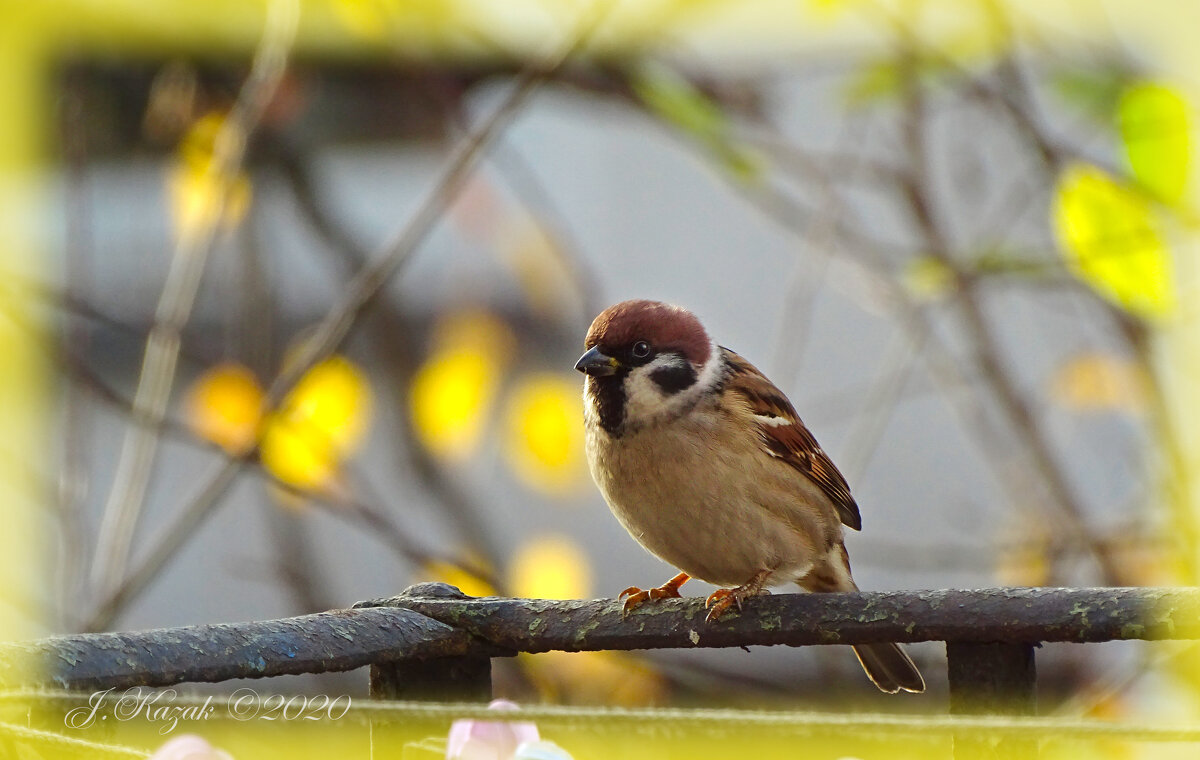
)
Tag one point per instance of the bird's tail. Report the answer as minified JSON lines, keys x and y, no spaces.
{"x":886,"y":664}
{"x":889,"y":668}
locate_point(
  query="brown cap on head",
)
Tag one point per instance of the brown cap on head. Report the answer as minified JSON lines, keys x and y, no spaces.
{"x":662,"y":325}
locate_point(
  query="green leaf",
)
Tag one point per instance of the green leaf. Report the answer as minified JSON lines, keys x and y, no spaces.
{"x":888,"y":78}
{"x":1094,"y":91}
{"x":1153,"y":120}
{"x":927,"y":278}
{"x":874,"y":82}
{"x":680,"y":103}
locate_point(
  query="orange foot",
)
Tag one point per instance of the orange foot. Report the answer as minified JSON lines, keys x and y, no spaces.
{"x":719,"y":601}
{"x":634,"y":596}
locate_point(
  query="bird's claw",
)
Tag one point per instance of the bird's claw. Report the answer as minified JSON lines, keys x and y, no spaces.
{"x":634,"y":597}
{"x":719,"y":601}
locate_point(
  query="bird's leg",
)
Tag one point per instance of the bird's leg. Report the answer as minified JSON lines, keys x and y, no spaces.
{"x":634,"y":596}
{"x":719,"y":601}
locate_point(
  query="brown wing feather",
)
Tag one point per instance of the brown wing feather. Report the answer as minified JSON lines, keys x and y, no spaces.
{"x":790,"y":440}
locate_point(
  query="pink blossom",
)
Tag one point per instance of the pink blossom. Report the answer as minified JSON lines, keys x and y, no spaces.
{"x":189,"y":747}
{"x":488,"y":740}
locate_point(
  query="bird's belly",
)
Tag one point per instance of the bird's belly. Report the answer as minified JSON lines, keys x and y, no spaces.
{"x":720,"y":544}
{"x":702,"y":513}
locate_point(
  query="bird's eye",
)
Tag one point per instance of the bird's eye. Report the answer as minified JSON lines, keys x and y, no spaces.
{"x":641,"y":349}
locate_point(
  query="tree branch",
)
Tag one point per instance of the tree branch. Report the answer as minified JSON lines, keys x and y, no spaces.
{"x":1009,"y":615}
{"x":434,"y":620}
{"x":321,"y":643}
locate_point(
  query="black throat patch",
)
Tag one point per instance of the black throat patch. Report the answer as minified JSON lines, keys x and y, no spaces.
{"x":610,"y":401}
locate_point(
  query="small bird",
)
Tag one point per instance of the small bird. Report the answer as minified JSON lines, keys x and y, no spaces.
{"x":706,"y":463}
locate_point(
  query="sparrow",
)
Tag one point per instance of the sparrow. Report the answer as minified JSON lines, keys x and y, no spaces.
{"x":707,"y":465}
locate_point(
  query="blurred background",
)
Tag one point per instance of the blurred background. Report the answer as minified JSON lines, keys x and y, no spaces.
{"x":292,"y":293}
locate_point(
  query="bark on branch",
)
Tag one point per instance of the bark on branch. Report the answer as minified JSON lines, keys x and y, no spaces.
{"x":324,"y":642}
{"x":988,"y":615}
{"x":436,"y":622}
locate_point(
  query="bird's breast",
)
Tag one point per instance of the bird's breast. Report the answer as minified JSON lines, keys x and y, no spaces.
{"x":702,"y":495}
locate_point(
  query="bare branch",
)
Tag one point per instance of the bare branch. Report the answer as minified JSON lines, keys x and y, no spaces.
{"x":915,"y":187}
{"x":388,"y":331}
{"x":1009,"y":615}
{"x":320,"y":643}
{"x":436,"y":621}
{"x":138,"y":451}
{"x":337,"y":324}
{"x":367,"y":284}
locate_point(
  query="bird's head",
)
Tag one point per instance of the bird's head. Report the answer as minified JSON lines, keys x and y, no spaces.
{"x":646,"y":362}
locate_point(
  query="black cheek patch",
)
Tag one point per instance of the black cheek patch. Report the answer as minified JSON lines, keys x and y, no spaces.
{"x":674,"y":378}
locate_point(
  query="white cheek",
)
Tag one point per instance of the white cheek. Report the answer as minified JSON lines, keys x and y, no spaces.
{"x":645,"y":400}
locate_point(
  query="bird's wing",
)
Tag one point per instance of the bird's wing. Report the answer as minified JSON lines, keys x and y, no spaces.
{"x":785,"y":437}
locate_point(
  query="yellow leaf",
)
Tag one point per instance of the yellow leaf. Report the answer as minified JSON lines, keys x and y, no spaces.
{"x":1099,"y":382}
{"x":334,"y":399}
{"x":1111,"y":241}
{"x":551,"y":566}
{"x":293,"y":452}
{"x":202,"y":196}
{"x":417,"y":26}
{"x":1153,"y":121}
{"x":1144,"y":560}
{"x":453,"y":390}
{"x":318,"y":424}
{"x":927,"y":278}
{"x":223,"y":406}
{"x":450,"y":396}
{"x":544,"y":433}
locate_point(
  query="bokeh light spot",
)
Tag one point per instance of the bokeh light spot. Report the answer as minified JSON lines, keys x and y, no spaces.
{"x":551,"y":566}
{"x":544,"y":441}
{"x":319,"y":423}
{"x":223,"y":406}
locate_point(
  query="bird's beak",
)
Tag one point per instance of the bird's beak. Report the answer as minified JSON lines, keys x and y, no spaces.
{"x":597,"y":364}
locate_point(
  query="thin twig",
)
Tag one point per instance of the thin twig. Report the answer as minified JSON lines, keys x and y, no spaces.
{"x":915,"y":189}
{"x":297,"y":566}
{"x":541,"y":205}
{"x":870,"y":258}
{"x":382,"y":526}
{"x":139,"y":448}
{"x":389,"y":330}
{"x":337,"y":324}
{"x":397,"y":252}
{"x":806,"y":280}
{"x":199,"y":508}
{"x":880,"y":402}
{"x":77,"y":419}
{"x":373,"y":518}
